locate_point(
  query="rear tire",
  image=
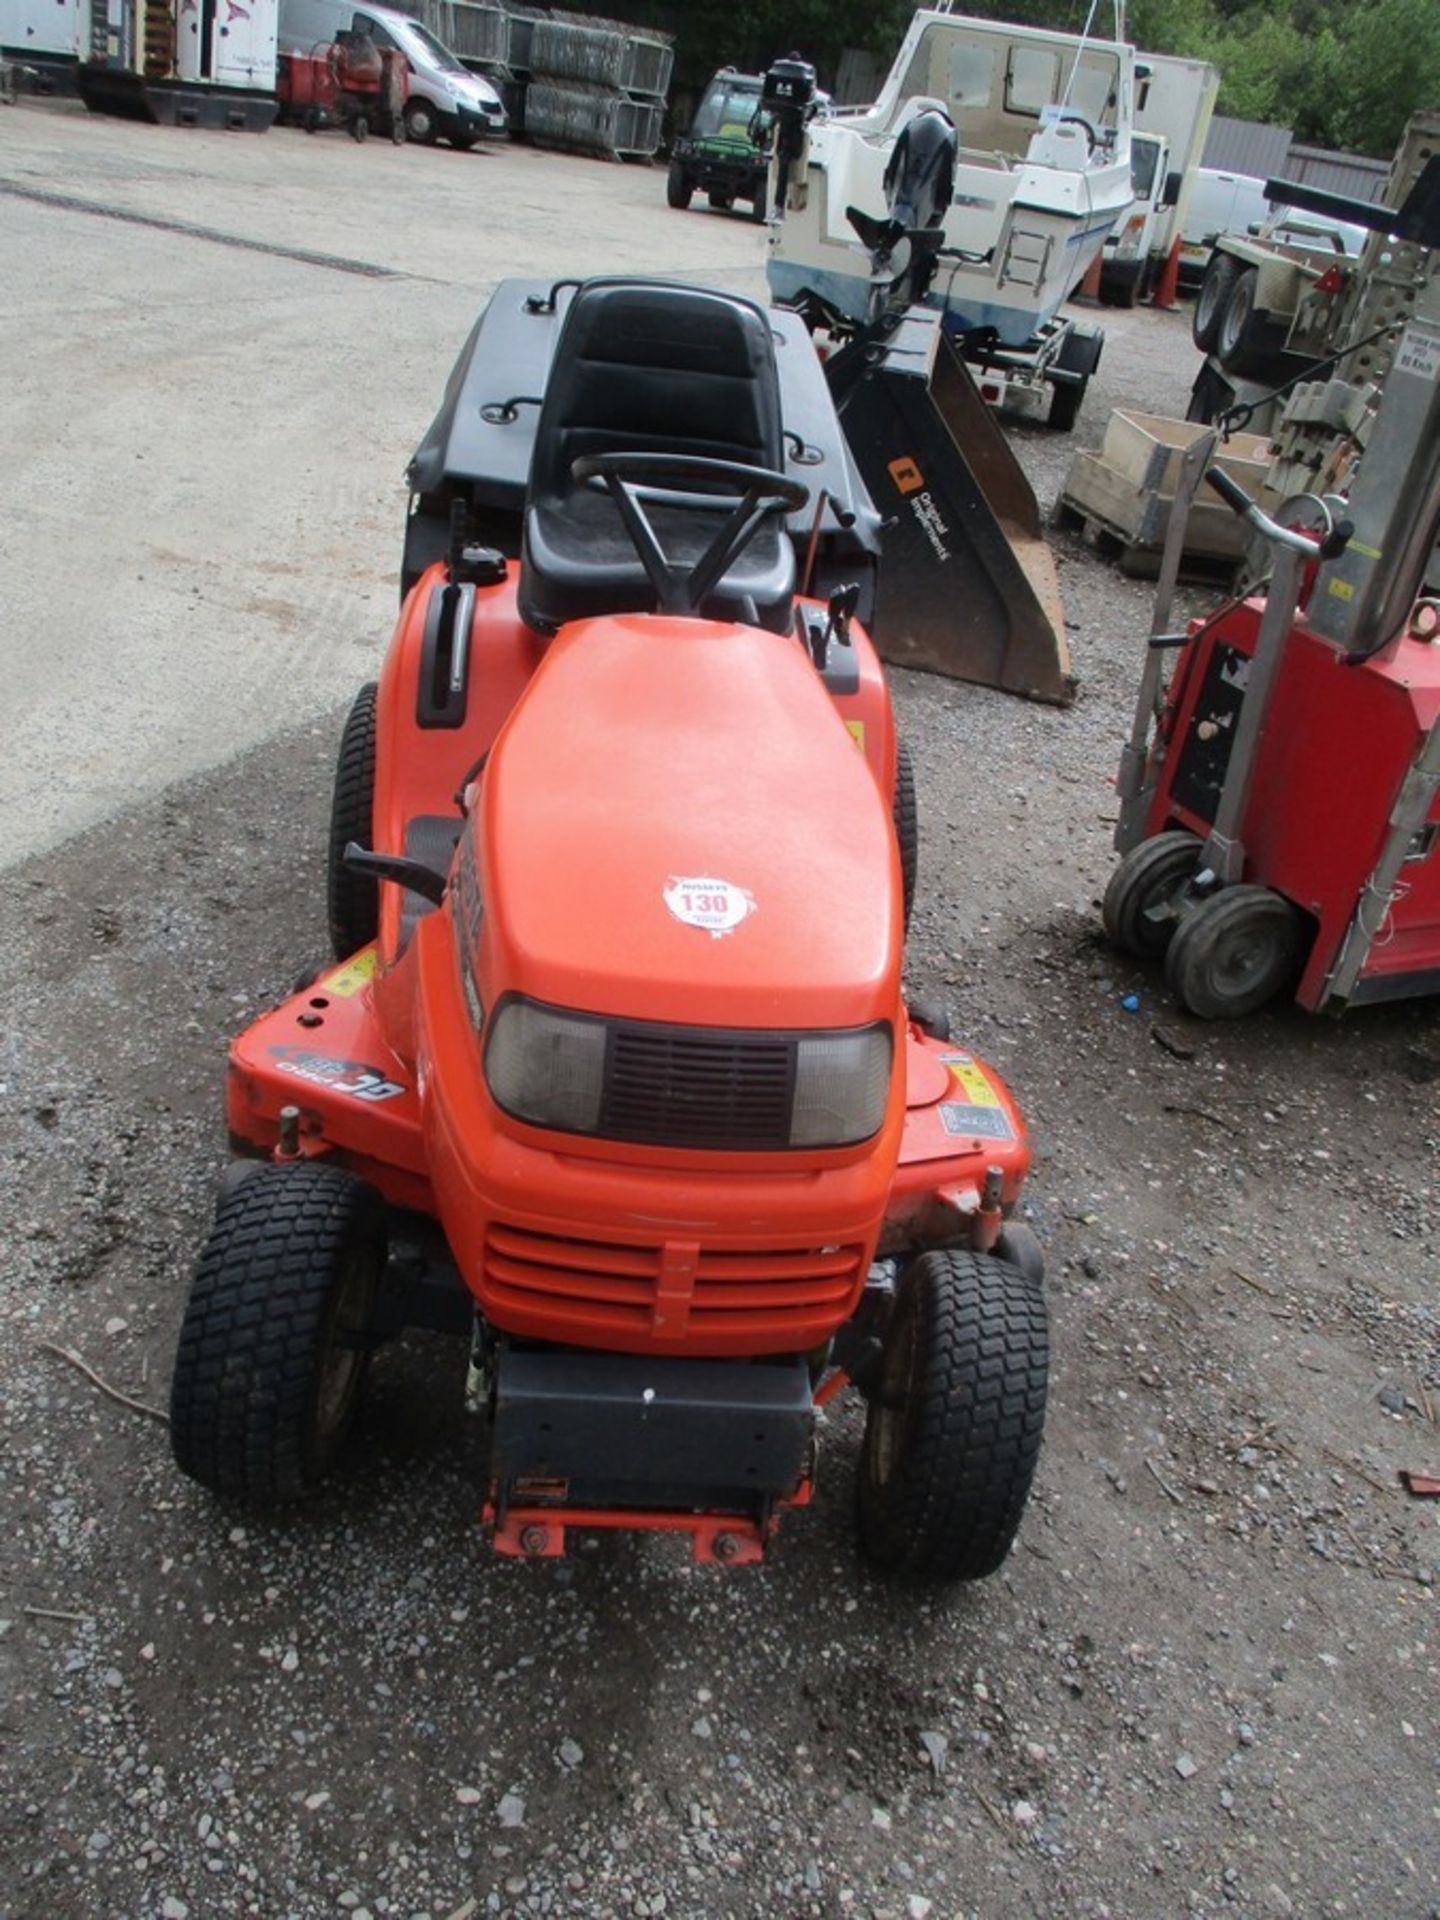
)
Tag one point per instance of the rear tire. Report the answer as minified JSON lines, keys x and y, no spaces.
{"x":1234,"y":952}
{"x":953,"y":1433}
{"x":1149,"y":878}
{"x":1221,"y":273}
{"x":906,"y":815}
{"x":274,"y":1344}
{"x":1240,"y":343}
{"x":679,"y":190}
{"x":353,"y":899}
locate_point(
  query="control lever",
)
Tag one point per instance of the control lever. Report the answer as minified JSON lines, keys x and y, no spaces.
{"x":840,"y":611}
{"x":394,"y":866}
{"x":1329,"y":547}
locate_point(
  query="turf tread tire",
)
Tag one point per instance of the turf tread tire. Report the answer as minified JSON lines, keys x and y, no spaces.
{"x":971,"y":1425}
{"x":353,"y":899}
{"x":243,"y":1395}
{"x":906,"y":812}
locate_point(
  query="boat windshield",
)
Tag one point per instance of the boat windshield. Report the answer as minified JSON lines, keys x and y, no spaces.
{"x":997,"y":88}
{"x":728,"y":108}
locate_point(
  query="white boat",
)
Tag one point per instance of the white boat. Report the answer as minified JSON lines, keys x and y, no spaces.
{"x":1042,"y":173}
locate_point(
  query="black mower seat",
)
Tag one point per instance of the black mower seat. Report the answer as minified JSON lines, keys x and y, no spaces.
{"x":646,"y":367}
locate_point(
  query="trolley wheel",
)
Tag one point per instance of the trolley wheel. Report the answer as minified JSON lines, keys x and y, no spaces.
{"x":1139,"y":905}
{"x":360,"y":129}
{"x":1234,"y":952}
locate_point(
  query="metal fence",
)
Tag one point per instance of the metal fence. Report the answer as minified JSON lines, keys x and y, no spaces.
{"x":590,"y":119}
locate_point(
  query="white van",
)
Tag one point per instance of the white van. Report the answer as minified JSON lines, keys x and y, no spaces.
{"x":1220,"y":202}
{"x":446,"y":100}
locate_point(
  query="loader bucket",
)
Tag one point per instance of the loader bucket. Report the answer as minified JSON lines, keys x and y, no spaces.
{"x":968,"y":586}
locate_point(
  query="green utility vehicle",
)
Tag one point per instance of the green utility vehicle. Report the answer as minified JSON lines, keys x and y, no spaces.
{"x":726,"y":152}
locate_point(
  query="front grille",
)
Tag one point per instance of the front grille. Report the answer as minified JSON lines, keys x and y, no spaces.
{"x":678,"y":1290}
{"x":672,"y":1086}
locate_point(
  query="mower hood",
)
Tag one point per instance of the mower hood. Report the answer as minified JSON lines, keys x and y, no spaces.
{"x":676,"y":825}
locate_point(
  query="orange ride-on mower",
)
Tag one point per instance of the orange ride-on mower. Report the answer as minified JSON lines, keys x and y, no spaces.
{"x":614,"y":1074}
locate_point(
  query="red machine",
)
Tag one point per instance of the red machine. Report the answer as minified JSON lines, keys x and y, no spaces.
{"x":1280,"y":818}
{"x":348,"y":82}
{"x":620,"y":1081}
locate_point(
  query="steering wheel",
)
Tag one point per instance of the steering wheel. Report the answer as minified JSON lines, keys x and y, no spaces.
{"x":1068,"y":115}
{"x":761,"y":491}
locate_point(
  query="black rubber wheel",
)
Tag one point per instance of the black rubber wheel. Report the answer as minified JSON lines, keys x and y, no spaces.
{"x":1020,"y":1246}
{"x":352,"y":898}
{"x":1240,"y":343}
{"x":1234,"y":952}
{"x":930,"y":1016}
{"x":760,"y":202}
{"x":1066,"y":399}
{"x":275,"y":1339}
{"x":953,"y":1432}
{"x":679,"y":190}
{"x":420,"y":123}
{"x":360,"y":129}
{"x":1146,"y":883}
{"x":1221,"y":273}
{"x":907,"y":826}
{"x":312,"y":119}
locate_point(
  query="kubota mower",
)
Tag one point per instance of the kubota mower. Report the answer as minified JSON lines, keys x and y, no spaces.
{"x":1280,"y":798}
{"x":614,"y":1074}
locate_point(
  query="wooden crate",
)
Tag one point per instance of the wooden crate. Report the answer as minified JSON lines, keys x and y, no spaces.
{"x":1128,"y":488}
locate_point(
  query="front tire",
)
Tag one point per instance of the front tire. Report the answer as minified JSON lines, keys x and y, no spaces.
{"x":353,"y":899}
{"x":953,"y":1433}
{"x":679,"y":190}
{"x":274,"y":1344}
{"x":420,"y":125}
{"x":906,"y":813}
{"x":1233,"y":952}
{"x":760,"y":202}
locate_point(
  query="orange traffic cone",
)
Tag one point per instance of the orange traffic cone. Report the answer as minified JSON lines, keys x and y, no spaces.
{"x":1169,"y":281}
{"x":1088,"y":291}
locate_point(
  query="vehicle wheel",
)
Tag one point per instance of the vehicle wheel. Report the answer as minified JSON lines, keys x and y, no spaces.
{"x":1139,"y":901}
{"x":1234,"y":952}
{"x":678,"y":188}
{"x":953,"y":1432}
{"x":760,"y":202}
{"x":360,"y":129}
{"x":907,"y":826}
{"x":274,"y":1342}
{"x":312,"y":119}
{"x":1066,"y":399}
{"x":420,"y":123}
{"x":1020,"y":1246}
{"x":1212,"y":299}
{"x":353,"y":899}
{"x":930,"y":1017}
{"x":1209,"y":397}
{"x":1240,"y":343}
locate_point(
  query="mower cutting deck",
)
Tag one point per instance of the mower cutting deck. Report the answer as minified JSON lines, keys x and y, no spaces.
{"x":614,"y":1073}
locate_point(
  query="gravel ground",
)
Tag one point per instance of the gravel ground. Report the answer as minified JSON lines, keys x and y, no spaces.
{"x":1206,"y":1681}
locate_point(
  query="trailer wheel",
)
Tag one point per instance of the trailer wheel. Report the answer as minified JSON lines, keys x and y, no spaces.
{"x":1066,"y":399}
{"x":953,"y":1432}
{"x":353,"y":899}
{"x":679,"y":188}
{"x":907,"y":826}
{"x":1221,"y":273}
{"x":1240,"y":343}
{"x":1234,"y":952}
{"x":274,"y":1343}
{"x":420,"y":122}
{"x":1138,"y":908}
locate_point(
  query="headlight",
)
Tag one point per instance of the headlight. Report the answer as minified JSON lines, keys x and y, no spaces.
{"x":693,"y":1087}
{"x":547,"y":1067}
{"x":841,"y":1082}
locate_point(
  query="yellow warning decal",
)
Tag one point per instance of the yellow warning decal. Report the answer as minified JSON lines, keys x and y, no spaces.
{"x":856,"y":730}
{"x":347,"y":981}
{"x":971,"y":1080}
{"x":1341,"y":589}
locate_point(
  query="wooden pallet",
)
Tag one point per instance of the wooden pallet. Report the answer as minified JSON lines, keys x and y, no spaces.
{"x":1137,"y":559}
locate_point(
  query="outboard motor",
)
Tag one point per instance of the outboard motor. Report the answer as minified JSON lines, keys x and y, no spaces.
{"x":919,"y":184}
{"x":788,"y":98}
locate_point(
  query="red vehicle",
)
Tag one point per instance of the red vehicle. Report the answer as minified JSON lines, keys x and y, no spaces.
{"x":348,"y":82}
{"x":615,"y":1073}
